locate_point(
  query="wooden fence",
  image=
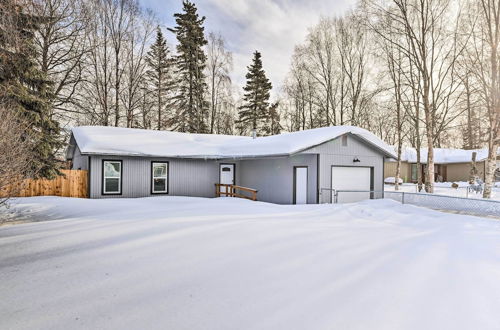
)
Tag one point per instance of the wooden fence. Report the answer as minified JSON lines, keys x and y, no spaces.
{"x":72,"y":184}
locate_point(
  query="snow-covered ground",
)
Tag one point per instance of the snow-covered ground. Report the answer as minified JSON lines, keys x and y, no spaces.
{"x":444,"y":188}
{"x":193,"y":263}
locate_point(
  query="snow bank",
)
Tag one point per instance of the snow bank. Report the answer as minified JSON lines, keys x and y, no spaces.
{"x":392,"y":180}
{"x":445,"y":189}
{"x":193,"y":263}
{"x":461,"y":184}
{"x":139,"y":142}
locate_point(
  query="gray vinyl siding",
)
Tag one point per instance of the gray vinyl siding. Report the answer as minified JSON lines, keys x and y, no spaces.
{"x":195,"y":178}
{"x":80,"y":162}
{"x":273,"y":177}
{"x":332,"y":153}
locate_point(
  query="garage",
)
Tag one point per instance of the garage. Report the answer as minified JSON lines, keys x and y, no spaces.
{"x":359,"y":179}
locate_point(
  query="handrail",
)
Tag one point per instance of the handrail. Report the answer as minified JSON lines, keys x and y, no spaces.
{"x":230,"y":191}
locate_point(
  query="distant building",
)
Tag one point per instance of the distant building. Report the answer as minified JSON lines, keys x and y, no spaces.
{"x":449,"y":164}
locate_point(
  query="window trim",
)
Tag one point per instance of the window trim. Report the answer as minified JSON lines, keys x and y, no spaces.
{"x":103,"y":181}
{"x":151,"y":178}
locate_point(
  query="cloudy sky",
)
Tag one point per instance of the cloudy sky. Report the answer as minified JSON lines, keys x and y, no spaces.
{"x":272,"y":27}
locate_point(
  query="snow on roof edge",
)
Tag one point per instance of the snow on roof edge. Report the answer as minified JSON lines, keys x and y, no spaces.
{"x":445,"y":155}
{"x":149,"y":143}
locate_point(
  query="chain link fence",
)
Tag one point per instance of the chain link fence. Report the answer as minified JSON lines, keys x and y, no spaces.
{"x":462,"y":191}
{"x":471,"y":206}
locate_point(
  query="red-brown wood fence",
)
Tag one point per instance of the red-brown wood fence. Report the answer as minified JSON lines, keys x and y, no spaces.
{"x":72,"y":184}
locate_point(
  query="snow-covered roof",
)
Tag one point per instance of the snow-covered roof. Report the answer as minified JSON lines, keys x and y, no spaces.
{"x":444,"y":156}
{"x":141,"y":142}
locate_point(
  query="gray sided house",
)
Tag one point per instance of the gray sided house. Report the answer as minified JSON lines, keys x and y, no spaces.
{"x":289,"y":168}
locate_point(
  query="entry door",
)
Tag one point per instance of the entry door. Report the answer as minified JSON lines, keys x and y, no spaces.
{"x":226,"y":174}
{"x":300,"y":185}
{"x":351,"y":178}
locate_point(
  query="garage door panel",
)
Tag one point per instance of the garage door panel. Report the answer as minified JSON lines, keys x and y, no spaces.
{"x":351,"y":178}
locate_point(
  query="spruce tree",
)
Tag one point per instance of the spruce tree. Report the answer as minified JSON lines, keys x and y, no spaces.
{"x":24,"y":87}
{"x":190,"y":62}
{"x":254,"y":113}
{"x":272,"y":125}
{"x":160,"y":77}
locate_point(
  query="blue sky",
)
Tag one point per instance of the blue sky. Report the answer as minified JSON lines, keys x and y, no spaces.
{"x":272,"y":27}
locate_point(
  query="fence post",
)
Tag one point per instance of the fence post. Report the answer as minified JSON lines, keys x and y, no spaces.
{"x":336,"y":195}
{"x":403,"y":198}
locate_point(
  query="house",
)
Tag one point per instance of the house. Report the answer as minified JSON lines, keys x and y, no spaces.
{"x":289,"y":168}
{"x":449,"y":164}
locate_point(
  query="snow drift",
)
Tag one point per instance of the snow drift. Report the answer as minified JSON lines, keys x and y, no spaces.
{"x":193,"y":263}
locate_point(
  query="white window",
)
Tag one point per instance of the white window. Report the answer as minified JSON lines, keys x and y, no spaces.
{"x":112,"y":177}
{"x":159,"y":178}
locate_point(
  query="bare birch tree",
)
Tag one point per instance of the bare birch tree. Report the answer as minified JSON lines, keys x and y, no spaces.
{"x":486,"y":60}
{"x":139,"y":36}
{"x":219,"y":65}
{"x":429,"y":31}
{"x":60,"y":49}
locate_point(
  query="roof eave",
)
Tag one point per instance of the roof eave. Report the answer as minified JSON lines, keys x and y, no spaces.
{"x":198,"y":157}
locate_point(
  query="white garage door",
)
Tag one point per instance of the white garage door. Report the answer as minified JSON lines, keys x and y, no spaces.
{"x":351,"y":178}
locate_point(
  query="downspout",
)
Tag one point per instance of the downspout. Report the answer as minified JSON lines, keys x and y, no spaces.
{"x":383,"y":176}
{"x":318,"y":189}
{"x":89,"y":174}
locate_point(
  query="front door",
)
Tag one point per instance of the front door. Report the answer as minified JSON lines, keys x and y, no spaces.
{"x":226,"y":175}
{"x":300,"y":185}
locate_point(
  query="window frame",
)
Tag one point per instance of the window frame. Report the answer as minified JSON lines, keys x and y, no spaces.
{"x":103,"y":175}
{"x":152,"y":178}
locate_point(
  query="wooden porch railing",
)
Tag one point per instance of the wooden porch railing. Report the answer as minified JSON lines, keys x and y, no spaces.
{"x":230,"y":190}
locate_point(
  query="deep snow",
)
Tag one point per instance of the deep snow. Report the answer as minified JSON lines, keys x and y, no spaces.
{"x":193,"y":263}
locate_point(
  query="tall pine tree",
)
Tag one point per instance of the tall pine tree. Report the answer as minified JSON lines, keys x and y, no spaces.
{"x":190,"y":61}
{"x":272,"y":125}
{"x":24,"y":87}
{"x":160,"y":77}
{"x":254,"y":113}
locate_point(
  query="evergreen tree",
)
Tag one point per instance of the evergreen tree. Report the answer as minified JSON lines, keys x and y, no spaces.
{"x":160,"y":77}
{"x":190,"y":62}
{"x":272,"y":126}
{"x":254,"y":113}
{"x":24,"y":87}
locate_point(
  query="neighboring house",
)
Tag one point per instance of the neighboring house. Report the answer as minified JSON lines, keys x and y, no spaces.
{"x":450,"y":164}
{"x":285,"y":169}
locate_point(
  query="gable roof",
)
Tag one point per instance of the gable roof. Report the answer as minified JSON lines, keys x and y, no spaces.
{"x":141,"y":142}
{"x":444,"y":156}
